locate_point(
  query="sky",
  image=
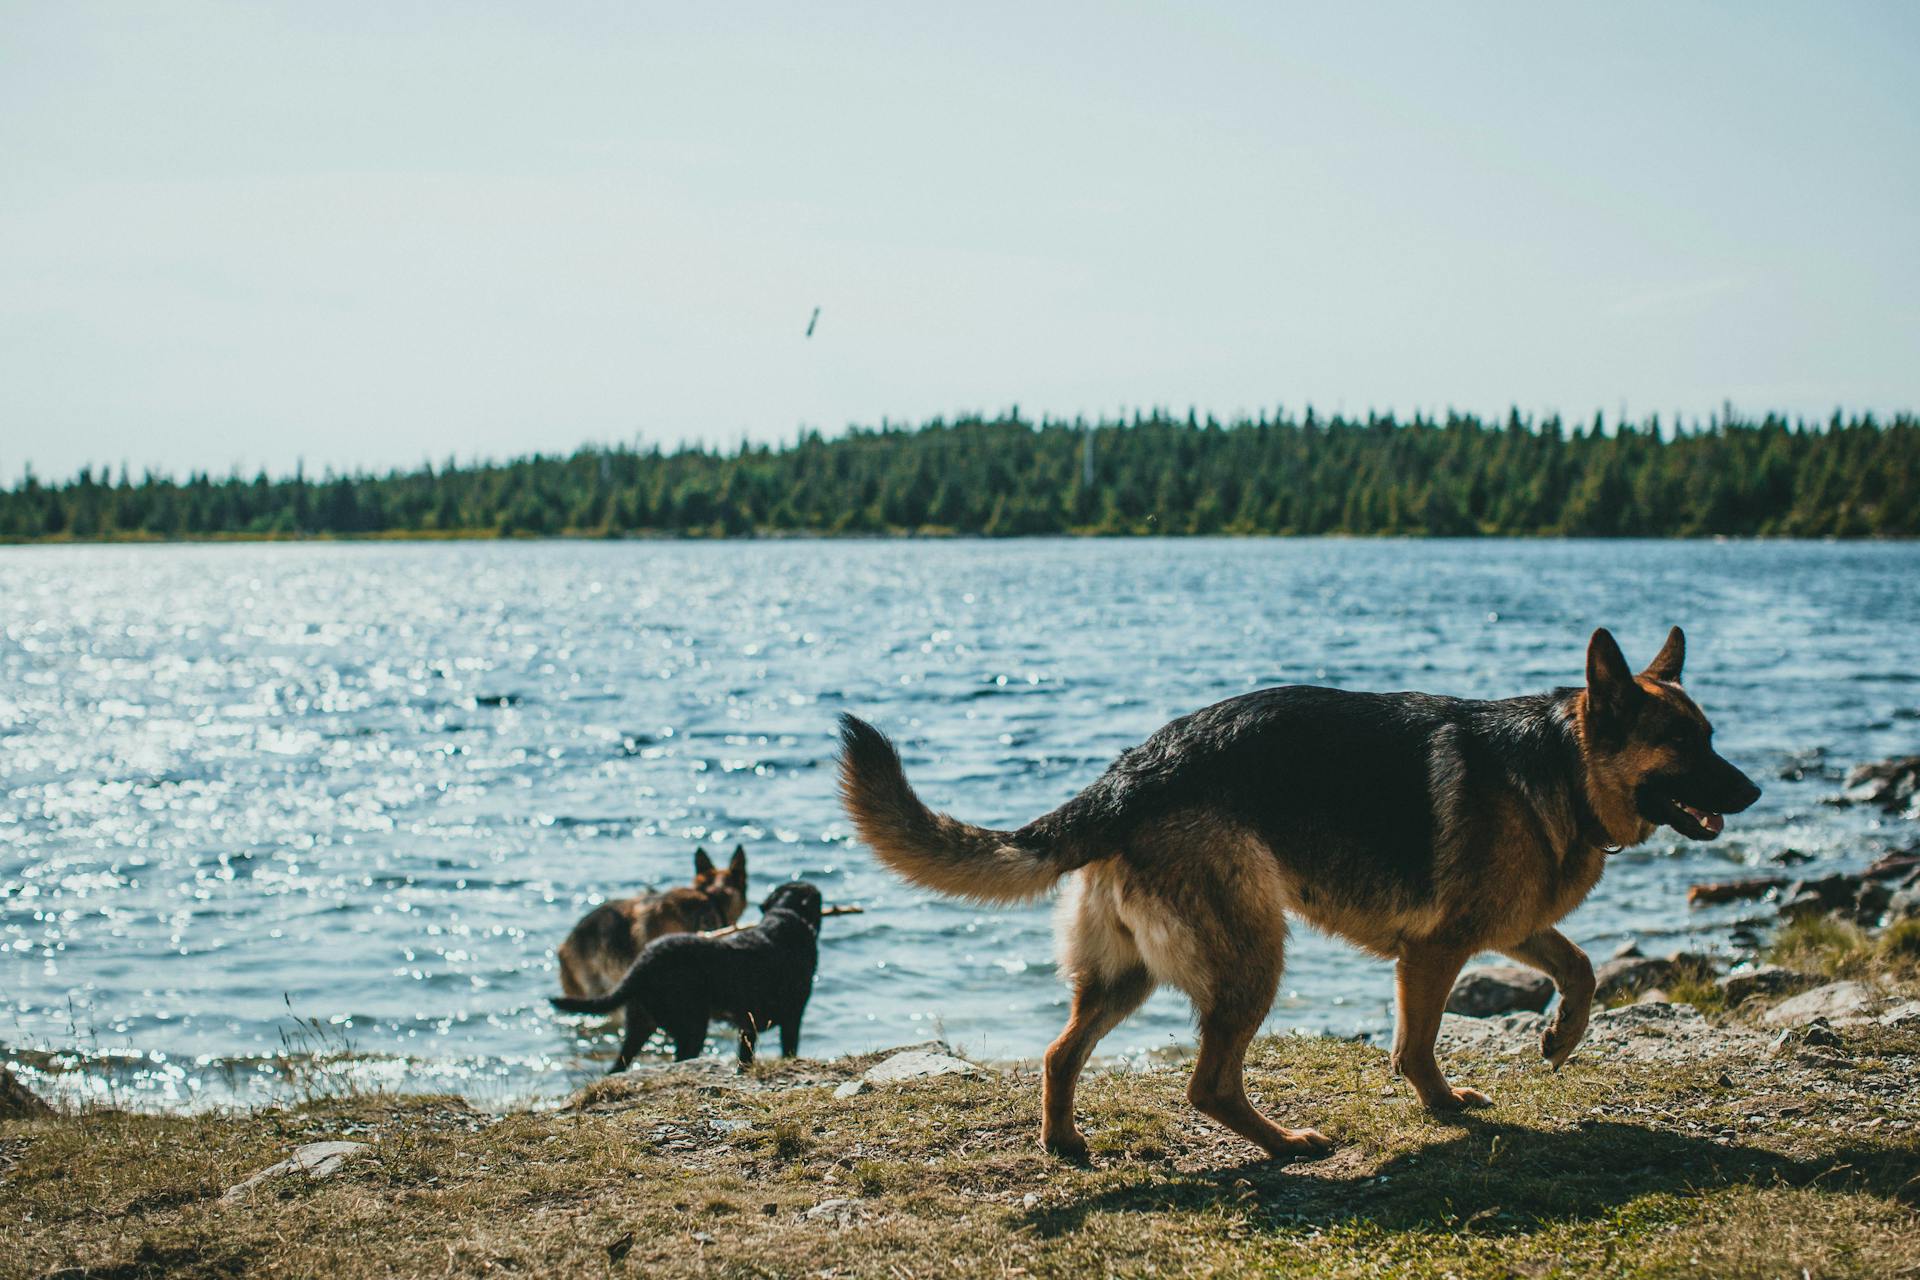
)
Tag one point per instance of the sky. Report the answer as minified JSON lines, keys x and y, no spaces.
{"x":367,"y":235}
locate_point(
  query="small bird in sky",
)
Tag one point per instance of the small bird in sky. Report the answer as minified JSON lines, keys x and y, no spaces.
{"x":812,"y":321}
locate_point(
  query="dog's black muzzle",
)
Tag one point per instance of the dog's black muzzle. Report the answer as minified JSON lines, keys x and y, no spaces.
{"x":1693,"y":801}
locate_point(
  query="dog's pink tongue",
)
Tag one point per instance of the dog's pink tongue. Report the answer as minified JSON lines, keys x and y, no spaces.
{"x":1713,"y":822}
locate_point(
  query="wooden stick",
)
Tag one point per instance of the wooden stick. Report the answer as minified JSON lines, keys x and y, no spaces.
{"x":824,"y":911}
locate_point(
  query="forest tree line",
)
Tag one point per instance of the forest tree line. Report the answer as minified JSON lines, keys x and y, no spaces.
{"x":1156,"y":473}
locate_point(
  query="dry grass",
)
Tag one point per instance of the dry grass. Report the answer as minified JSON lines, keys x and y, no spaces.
{"x":1839,"y":949}
{"x":1691,"y":982}
{"x":1609,"y":1168}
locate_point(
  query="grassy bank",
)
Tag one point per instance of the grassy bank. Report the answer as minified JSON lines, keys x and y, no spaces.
{"x":1666,"y":1148}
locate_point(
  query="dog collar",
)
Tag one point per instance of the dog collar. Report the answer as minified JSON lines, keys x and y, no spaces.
{"x":1587,"y":823}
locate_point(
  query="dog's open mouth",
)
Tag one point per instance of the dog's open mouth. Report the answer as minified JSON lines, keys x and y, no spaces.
{"x":1695,"y":824}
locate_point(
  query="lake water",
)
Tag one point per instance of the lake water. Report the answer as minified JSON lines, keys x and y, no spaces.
{"x":259,"y":797}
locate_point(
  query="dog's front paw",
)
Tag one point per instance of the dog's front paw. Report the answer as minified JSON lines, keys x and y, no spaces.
{"x":1451,"y":1099}
{"x":1558,"y":1042}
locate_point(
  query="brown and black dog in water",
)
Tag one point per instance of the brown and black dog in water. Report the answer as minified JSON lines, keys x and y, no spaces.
{"x":756,"y":978}
{"x":608,"y":939}
{"x":1421,"y":828}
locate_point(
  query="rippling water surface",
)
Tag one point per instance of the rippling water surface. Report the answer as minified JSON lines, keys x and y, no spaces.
{"x":257,"y":798}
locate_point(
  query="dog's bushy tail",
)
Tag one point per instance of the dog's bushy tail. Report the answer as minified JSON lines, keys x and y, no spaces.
{"x":931,"y":848}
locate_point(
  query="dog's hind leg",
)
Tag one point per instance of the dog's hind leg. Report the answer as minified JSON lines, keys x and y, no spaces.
{"x":1208,"y":912}
{"x":1219,"y":1090}
{"x":790,"y":1036}
{"x":1109,"y":982}
{"x":1240,"y":987}
{"x":639,"y":1027}
{"x":1100,"y":1003}
{"x":1422,"y":981}
{"x":1551,"y":953}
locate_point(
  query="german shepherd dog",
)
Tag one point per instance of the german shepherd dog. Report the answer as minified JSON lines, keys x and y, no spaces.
{"x":609,"y":938}
{"x":756,"y":978}
{"x":1420,"y":828}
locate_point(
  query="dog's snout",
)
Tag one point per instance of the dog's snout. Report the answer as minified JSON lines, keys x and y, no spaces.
{"x":1741,"y":790}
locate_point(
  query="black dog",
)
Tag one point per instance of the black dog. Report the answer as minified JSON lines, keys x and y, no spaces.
{"x":754,"y":978}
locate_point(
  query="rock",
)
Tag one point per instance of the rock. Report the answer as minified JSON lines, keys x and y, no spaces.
{"x":1701,"y":895}
{"x":1888,"y":784}
{"x":1483,"y":992}
{"x":1820,"y":1033}
{"x":1836,"y":1002}
{"x":1888,"y":890}
{"x":917,"y":1062}
{"x":1513,"y":1033}
{"x":1693,"y":964}
{"x":1811,"y":763}
{"x":1642,"y":1032}
{"x":1630,"y":976}
{"x":316,"y":1160}
{"x":1627,"y":950}
{"x":1902,"y":1015}
{"x":1872,"y":902}
{"x":1818,"y":895}
{"x":1663,"y":1032}
{"x":1651,"y":1019}
{"x":1853,"y":896}
{"x":1790,"y":858}
{"x":1814,"y":1045}
{"x":1763,"y":980}
{"x":1653,"y":995}
{"x":840,"y":1211}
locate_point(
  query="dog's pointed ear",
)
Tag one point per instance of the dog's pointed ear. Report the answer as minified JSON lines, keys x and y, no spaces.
{"x":737,"y":865}
{"x":701,"y":862}
{"x":1672,"y":656}
{"x":1610,"y":686}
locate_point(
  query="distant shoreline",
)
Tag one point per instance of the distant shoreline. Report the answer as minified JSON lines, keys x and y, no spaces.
{"x":1156,"y":475}
{"x":913,"y":535}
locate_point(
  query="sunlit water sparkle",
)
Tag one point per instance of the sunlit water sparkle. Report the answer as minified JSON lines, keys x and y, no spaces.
{"x":261,"y":797}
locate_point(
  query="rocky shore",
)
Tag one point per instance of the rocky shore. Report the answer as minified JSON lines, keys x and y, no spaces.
{"x":1878,"y":908}
{"x":1875,"y":909}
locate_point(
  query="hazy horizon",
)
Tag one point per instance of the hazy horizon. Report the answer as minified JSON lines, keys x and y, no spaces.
{"x":241,"y":236}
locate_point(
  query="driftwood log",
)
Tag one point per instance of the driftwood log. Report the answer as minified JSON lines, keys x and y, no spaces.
{"x":1734,"y":890}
